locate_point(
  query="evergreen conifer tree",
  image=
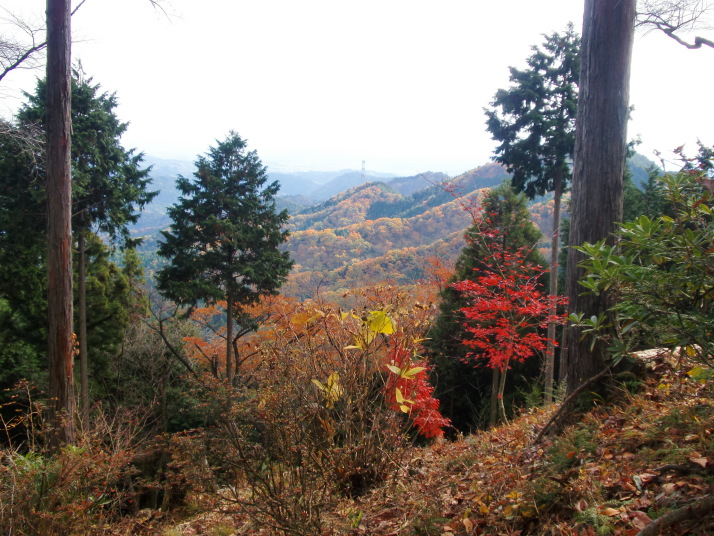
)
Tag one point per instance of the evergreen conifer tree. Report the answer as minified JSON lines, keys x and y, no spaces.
{"x":109,"y":186}
{"x":224,"y":241}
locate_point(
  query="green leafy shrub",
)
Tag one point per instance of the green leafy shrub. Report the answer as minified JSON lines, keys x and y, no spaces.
{"x":660,"y":273}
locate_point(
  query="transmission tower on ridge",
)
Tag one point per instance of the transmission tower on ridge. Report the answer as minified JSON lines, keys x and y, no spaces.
{"x":364,"y":174}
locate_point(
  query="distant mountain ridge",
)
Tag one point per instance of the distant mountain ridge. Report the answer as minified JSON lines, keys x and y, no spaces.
{"x":298,"y":190}
{"x":374,"y":233}
{"x":381,"y":230}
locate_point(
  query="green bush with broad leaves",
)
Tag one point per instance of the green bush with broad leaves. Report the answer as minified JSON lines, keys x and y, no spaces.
{"x":660,"y":274}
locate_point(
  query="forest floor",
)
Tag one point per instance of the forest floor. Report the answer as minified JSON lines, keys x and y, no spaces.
{"x":642,"y":464}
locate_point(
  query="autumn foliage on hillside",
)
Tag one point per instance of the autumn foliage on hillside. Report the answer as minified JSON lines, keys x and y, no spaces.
{"x":371,"y":234}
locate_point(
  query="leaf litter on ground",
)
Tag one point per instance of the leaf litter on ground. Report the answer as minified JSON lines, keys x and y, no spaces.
{"x":615,"y":471}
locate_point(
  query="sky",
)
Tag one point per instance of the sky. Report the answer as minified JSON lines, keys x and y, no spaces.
{"x":328,"y":84}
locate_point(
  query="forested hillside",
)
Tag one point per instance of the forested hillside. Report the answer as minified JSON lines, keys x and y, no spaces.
{"x":213,"y":348}
{"x":372,"y":233}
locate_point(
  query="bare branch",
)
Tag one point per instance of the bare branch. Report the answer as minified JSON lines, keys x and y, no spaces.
{"x":27,"y":139}
{"x":674,"y":17}
{"x":15,"y":54}
{"x":18,"y":55}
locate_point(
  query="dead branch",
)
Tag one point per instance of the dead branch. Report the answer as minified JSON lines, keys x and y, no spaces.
{"x":570,"y":399}
{"x":696,"y":510}
{"x":17,"y":55}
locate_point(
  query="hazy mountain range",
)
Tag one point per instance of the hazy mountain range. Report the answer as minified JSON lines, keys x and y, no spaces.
{"x":298,"y":190}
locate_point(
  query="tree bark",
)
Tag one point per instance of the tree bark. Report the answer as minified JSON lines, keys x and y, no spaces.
{"x":501,"y":391}
{"x":599,"y":161}
{"x":229,"y":338}
{"x":59,"y":206}
{"x":553,"y":310}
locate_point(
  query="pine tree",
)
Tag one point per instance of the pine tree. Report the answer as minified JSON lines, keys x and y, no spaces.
{"x":534,"y":121}
{"x":225,"y":238}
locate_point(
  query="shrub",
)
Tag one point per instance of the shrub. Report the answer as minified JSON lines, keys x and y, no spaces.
{"x":73,"y":490}
{"x":660,"y":273}
{"x":333,"y":399}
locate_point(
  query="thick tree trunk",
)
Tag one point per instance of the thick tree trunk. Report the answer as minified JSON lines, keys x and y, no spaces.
{"x":553,"y":310}
{"x":59,"y":206}
{"x":599,"y":161}
{"x":83,"y":356}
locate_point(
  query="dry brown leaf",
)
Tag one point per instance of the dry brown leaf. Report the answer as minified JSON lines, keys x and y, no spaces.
{"x":639,"y":519}
{"x":468,"y":524}
{"x":611,"y":512}
{"x":669,"y":488}
{"x":701,"y":461}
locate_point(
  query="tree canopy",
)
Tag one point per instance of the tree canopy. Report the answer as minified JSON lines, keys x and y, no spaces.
{"x":224,"y":241}
{"x":460,"y":385}
{"x":534,"y":119}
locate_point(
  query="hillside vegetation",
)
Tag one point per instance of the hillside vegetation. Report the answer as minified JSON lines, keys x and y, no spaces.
{"x":627,"y":468}
{"x":373,"y":233}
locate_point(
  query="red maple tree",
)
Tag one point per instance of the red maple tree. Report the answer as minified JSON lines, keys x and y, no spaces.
{"x":508,"y":309}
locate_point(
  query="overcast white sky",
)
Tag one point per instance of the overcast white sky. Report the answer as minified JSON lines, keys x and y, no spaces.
{"x":326,"y":84}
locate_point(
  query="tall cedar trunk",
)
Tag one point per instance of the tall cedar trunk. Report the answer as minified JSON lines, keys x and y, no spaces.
{"x":553,"y":310}
{"x":229,"y":338}
{"x":59,"y":206}
{"x":83,"y":356}
{"x":599,"y":161}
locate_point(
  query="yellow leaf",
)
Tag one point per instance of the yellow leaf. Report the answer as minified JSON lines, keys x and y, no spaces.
{"x":381,"y":322}
{"x":698,"y":373}
{"x":399,"y":395}
{"x":333,"y":379}
{"x":409,"y":374}
{"x":319,"y":385}
{"x":394,"y":369}
{"x":527,"y":512}
{"x":404,"y":408}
